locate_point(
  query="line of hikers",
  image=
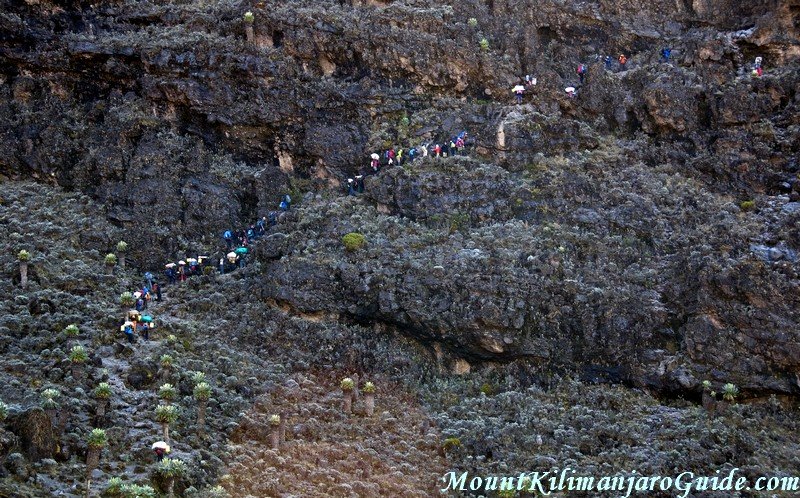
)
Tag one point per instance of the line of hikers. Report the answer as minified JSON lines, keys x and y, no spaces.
{"x":455,"y":146}
{"x":664,"y":56}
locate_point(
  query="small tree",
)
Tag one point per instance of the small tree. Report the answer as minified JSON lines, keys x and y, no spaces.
{"x":126,"y":299}
{"x":111,"y":261}
{"x":137,"y":491}
{"x":171,"y":469}
{"x":248,"y":27}
{"x":102,"y":393}
{"x":274,"y":434}
{"x":166,"y":361}
{"x":23,"y":257}
{"x":369,"y":398}
{"x":198,"y":377}
{"x":71,"y":330}
{"x":50,"y":405}
{"x":167,"y":393}
{"x":484,"y":44}
{"x":78,"y":357}
{"x":347,"y":385}
{"x":114,"y":487}
{"x":165,"y":415}
{"x":730,"y":392}
{"x":202,"y":393}
{"x":96,"y":442}
{"x":472,"y":22}
{"x":122,"y":249}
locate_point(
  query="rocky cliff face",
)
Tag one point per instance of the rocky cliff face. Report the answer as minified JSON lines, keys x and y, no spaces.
{"x":643,"y":232}
{"x":599,"y":204}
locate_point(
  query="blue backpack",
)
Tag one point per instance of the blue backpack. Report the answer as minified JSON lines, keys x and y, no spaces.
{"x":227,"y":234}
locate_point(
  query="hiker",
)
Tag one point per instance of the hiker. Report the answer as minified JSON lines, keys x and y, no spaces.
{"x":148,"y":277}
{"x":390,"y":155}
{"x":360,"y":184}
{"x":160,"y":448}
{"x":139,"y":305}
{"x":157,"y":290}
{"x":451,"y":147}
{"x":581,"y":72}
{"x":127,"y":329}
{"x":412,"y":154}
{"x":170,"y":272}
{"x":530,"y":80}
{"x":221,"y":266}
{"x":182,"y":271}
{"x":622,"y":61}
{"x":666,"y":52}
{"x":460,"y":145}
{"x":272,"y":218}
{"x":261,"y":225}
{"x":251,"y":234}
{"x":228,"y":236}
{"x":518,"y":90}
{"x":400,"y":157}
{"x":144,"y":330}
{"x":758,"y":62}
{"x":424,"y":150}
{"x":607,"y":62}
{"x":570,"y":91}
{"x":437,"y":150}
{"x":283,"y":206}
{"x":287,"y":200}
{"x":350,"y":187}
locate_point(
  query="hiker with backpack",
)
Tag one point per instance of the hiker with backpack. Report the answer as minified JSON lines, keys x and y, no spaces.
{"x":360,"y":184}
{"x":581,"y":72}
{"x":437,"y":150}
{"x":607,"y":62}
{"x":228,"y":236}
{"x":350,"y":187}
{"x":666,"y":52}
{"x":127,"y":329}
{"x":157,"y":290}
{"x":460,"y":145}
{"x":622,"y":61}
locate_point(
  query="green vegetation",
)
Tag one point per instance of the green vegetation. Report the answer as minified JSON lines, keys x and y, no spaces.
{"x":451,"y":443}
{"x":472,"y":22}
{"x":97,"y":439}
{"x":172,"y":468}
{"x":347,"y":384}
{"x":78,"y":355}
{"x":24,"y":256}
{"x":167,"y":392}
{"x":274,"y":420}
{"x":747,"y":205}
{"x":202,"y":391}
{"x":487,"y":389}
{"x":354,"y":241}
{"x":102,"y":391}
{"x":249,"y":17}
{"x":166,"y":414}
{"x":166,"y":361}
{"x":71,"y":330}
{"x":369,"y":388}
{"x":126,"y":299}
{"x":3,"y":411}
{"x":122,"y":246}
{"x":484,"y":44}
{"x":198,"y":377}
{"x":114,"y":487}
{"x":49,"y":397}
{"x":111,"y":259}
{"x":730,"y":392}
